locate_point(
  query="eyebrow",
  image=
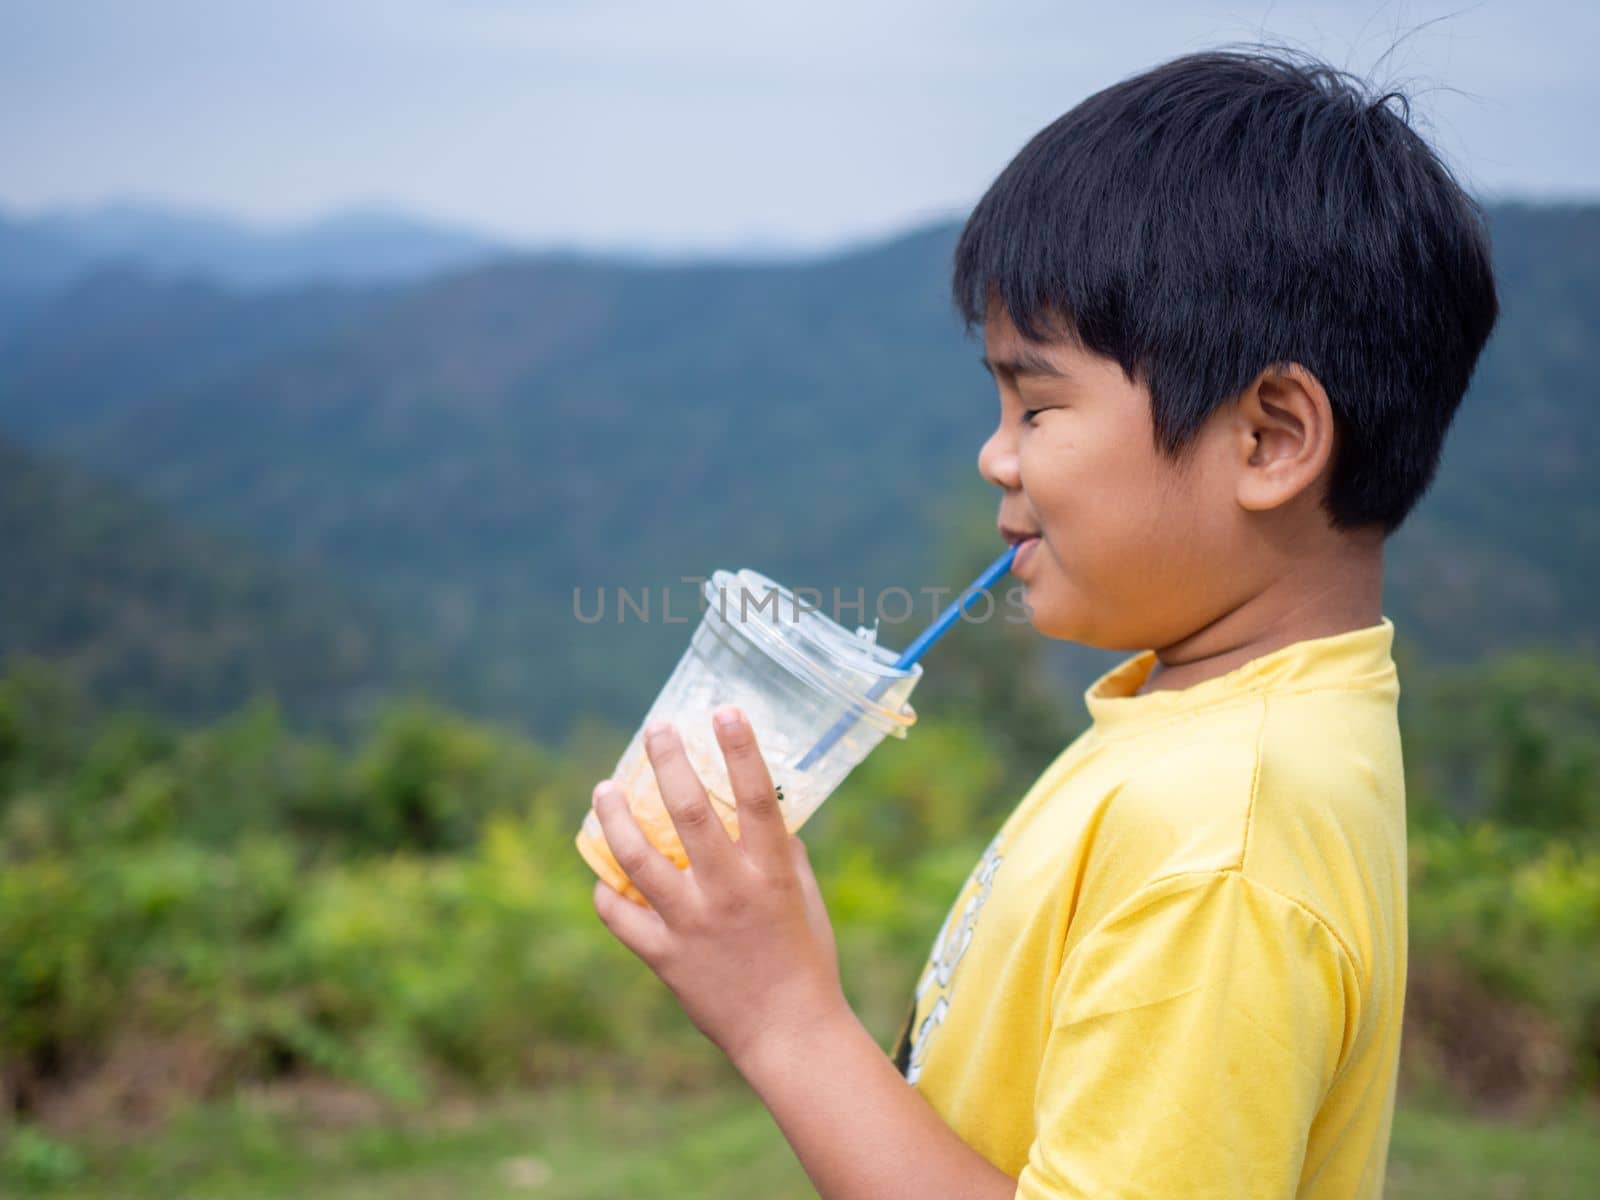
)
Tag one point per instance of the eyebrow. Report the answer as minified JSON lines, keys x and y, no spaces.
{"x":1023,"y":361}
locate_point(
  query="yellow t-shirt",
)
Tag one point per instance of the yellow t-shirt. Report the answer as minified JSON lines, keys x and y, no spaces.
{"x":1178,"y":969}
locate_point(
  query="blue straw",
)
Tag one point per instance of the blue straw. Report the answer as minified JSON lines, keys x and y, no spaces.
{"x":915,"y":651}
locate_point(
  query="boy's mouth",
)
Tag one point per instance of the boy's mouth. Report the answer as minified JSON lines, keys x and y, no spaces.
{"x":1024,"y":540}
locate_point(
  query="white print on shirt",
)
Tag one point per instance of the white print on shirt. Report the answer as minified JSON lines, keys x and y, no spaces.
{"x":948,"y":948}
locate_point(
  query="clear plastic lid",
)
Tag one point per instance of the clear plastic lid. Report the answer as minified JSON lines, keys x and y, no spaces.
{"x":850,"y":666}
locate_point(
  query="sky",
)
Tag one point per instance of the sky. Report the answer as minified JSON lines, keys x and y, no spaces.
{"x":700,"y":125}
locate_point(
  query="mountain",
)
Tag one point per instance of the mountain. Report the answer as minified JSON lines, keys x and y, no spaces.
{"x":350,"y":247}
{"x":34,"y":259}
{"x":43,"y":254}
{"x":497,"y":438}
{"x":118,"y":336}
{"x":141,"y":610}
{"x":33,"y":264}
{"x":1505,"y":549}
{"x":485,"y":453}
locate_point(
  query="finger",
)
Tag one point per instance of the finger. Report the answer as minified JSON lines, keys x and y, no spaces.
{"x":652,"y":872}
{"x":638,"y":928}
{"x":808,"y":881}
{"x":710,"y":849}
{"x":815,"y":906}
{"x":761,"y":825}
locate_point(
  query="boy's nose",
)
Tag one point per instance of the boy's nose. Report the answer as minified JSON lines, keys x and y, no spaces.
{"x":997,"y":461}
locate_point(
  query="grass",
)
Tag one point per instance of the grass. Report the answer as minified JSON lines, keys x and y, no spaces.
{"x":587,"y":1141}
{"x":1439,"y":1152}
{"x":580,"y":1142}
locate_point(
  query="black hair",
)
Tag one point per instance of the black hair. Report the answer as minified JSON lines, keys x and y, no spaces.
{"x":1231,"y":210}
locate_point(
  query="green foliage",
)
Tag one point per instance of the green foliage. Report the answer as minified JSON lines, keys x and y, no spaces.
{"x":906,"y":800}
{"x":1515,"y":739}
{"x":412,"y":909}
{"x":140,"y":608}
{"x":409,"y":908}
{"x":1521,"y":913}
{"x":34,"y":1159}
{"x":41,"y":723}
{"x":427,"y":780}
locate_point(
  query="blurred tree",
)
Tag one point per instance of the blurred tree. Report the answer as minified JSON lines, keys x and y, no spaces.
{"x":1515,"y":738}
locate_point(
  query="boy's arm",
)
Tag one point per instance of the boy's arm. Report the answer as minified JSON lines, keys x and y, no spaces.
{"x":859,"y":1129}
{"x":1194,"y":1035}
{"x":742,"y":938}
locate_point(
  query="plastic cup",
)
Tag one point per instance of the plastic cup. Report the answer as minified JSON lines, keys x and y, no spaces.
{"x":795,"y":673}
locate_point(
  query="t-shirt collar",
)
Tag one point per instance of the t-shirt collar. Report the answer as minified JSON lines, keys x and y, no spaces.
{"x":1354,"y":658}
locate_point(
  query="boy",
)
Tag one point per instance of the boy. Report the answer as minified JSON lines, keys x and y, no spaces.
{"x":1231,"y":306}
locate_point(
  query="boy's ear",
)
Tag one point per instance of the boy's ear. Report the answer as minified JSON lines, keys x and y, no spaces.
{"x":1284,"y":427}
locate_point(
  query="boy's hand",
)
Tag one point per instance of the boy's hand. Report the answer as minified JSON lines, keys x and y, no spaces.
{"x":741,"y":936}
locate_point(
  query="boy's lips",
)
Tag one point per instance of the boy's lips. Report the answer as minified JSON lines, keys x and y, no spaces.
{"x":1025,"y":541}
{"x":1025,"y":549}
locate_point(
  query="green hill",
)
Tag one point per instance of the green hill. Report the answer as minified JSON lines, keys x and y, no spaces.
{"x":475,"y":448}
{"x":116,"y":338}
{"x":490,"y":442}
{"x":1506,"y":547}
{"x":142,"y":610}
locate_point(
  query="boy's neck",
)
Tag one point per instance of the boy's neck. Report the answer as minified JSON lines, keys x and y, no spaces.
{"x":1340,"y":593}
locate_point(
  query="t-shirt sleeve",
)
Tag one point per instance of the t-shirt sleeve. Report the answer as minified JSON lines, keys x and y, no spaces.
{"x":1194,"y":1034}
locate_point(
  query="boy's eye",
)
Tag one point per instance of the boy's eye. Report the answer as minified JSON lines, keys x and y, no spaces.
{"x":1028,"y":414}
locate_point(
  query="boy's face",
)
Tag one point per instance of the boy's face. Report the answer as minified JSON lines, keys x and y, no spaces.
{"x":1132,"y":551}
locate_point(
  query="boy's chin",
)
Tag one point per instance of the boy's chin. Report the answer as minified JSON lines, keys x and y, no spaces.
{"x":1065,"y":621}
{"x":1049,"y":616}
{"x":1062,"y":631}
{"x":1065,"y":617}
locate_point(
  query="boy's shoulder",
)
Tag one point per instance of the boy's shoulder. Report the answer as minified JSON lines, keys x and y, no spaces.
{"x":1305,"y":748}
{"x":1301,"y":792}
{"x":1198,"y":766}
